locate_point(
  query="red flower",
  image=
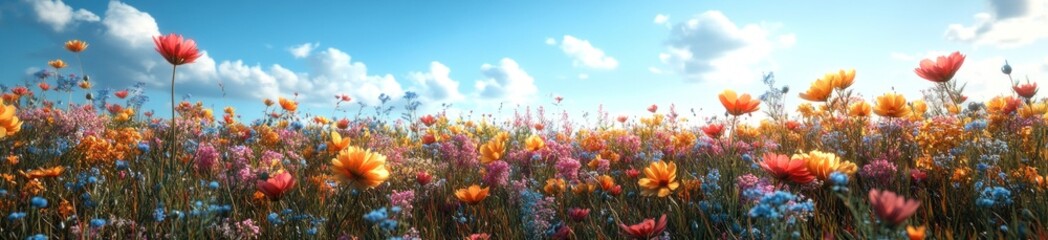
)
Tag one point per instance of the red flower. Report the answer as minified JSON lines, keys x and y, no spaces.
{"x":121,"y":94}
{"x":558,"y":99}
{"x":1026,"y":90}
{"x":645,"y":229}
{"x":578,"y":214}
{"x":653,"y":108}
{"x":564,"y":232}
{"x":428,"y":120}
{"x":784,"y":168}
{"x":890,"y":208}
{"x":622,"y":118}
{"x":539,"y":127}
{"x":632,"y":173}
{"x":918,"y":175}
{"x":713,"y":130}
{"x":176,"y":50}
{"x":428,"y":138}
{"x":342,"y":124}
{"x":942,"y":69}
{"x":21,"y":91}
{"x":276,"y":186}
{"x":423,"y":178}
{"x":44,"y":86}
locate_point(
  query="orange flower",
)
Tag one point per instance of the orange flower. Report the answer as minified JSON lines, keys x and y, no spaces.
{"x":659,"y":179}
{"x":428,"y":120}
{"x":288,"y":105}
{"x":337,"y":143}
{"x":1026,"y":90}
{"x":535,"y":143}
{"x":75,"y":46}
{"x":606,"y":182}
{"x":942,"y":69}
{"x":554,"y":186}
{"x":9,"y":123}
{"x":45,"y":172}
{"x":843,"y":79}
{"x":646,"y":229}
{"x":821,"y":164}
{"x":359,"y":167}
{"x":493,"y":150}
{"x":916,"y":233}
{"x":821,"y":89}
{"x":859,"y":109}
{"x":738,"y":105}
{"x":267,"y":102}
{"x":892,"y":209}
{"x":784,"y":168}
{"x":714,"y":130}
{"x":176,"y":50}
{"x":583,"y":188}
{"x":276,"y":186}
{"x":892,"y":105}
{"x":472,"y":195}
{"x":57,"y":63}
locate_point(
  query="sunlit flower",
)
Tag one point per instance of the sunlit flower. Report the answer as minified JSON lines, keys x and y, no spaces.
{"x":121,"y":94}
{"x":276,"y":186}
{"x":606,"y":182}
{"x":659,"y":179}
{"x":554,"y":186}
{"x":1026,"y":90}
{"x":738,"y":105}
{"x":859,"y":109}
{"x":359,"y":167}
{"x":288,"y":104}
{"x":337,"y":143}
{"x":821,"y":89}
{"x":919,"y":107}
{"x":1003,"y":104}
{"x":428,"y":120}
{"x":176,"y":50}
{"x":821,"y":164}
{"x":57,"y":63}
{"x":941,"y":70}
{"x":714,"y":130}
{"x":653,"y":108}
{"x":535,"y":143}
{"x":843,"y":79}
{"x":472,"y":195}
{"x":45,"y":172}
{"x":784,"y":168}
{"x":892,"y":209}
{"x":646,"y":229}
{"x":916,"y":233}
{"x":75,"y":46}
{"x":423,"y":178}
{"x":1033,"y":110}
{"x":268,"y":102}
{"x":9,"y":122}
{"x":493,"y":150}
{"x":892,"y":105}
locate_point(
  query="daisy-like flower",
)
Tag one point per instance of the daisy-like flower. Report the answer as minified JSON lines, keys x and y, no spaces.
{"x":738,"y":105}
{"x":337,"y":143}
{"x":75,"y":46}
{"x":494,"y":150}
{"x":360,"y":168}
{"x":646,"y":229}
{"x":941,"y":70}
{"x":288,"y":104}
{"x":892,"y":209}
{"x":859,"y":109}
{"x":821,"y":164}
{"x":9,"y":123}
{"x":820,"y":90}
{"x":660,"y":179}
{"x":535,"y":143}
{"x":892,"y":105}
{"x":784,"y":168}
{"x":276,"y":186}
{"x":472,"y":195}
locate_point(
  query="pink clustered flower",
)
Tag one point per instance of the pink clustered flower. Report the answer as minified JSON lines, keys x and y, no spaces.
{"x":879,"y":172}
{"x":205,"y":158}
{"x":497,"y":173}
{"x":404,"y":200}
{"x":568,"y":168}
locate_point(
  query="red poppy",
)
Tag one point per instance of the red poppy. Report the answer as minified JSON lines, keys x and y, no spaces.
{"x":942,"y":69}
{"x":176,"y":50}
{"x":276,"y":186}
{"x":713,"y":130}
{"x":1026,"y":90}
{"x":892,"y":209}
{"x":784,"y":168}
{"x":653,"y":108}
{"x":423,"y":178}
{"x":428,"y":120}
{"x":645,"y":229}
{"x":121,"y":94}
{"x":44,"y":86}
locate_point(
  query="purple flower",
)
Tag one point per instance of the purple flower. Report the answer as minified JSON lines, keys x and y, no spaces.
{"x":497,"y":173}
{"x":568,"y":168}
{"x":879,"y":172}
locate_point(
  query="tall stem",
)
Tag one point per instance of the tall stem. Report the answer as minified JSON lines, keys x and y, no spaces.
{"x":172,"y":128}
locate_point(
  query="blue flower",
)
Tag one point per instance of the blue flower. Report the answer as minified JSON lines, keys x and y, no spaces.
{"x":158,"y":214}
{"x":274,"y":218}
{"x":376,"y":215}
{"x":388,"y":225}
{"x":38,"y":202}
{"x":98,"y":223}
{"x":121,"y":165}
{"x":213,"y":185}
{"x":37,"y":237}
{"x":15,"y":216}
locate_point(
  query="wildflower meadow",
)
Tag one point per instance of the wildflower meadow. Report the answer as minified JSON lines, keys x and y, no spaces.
{"x":87,"y":163}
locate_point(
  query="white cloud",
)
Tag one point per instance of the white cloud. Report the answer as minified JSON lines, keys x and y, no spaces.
{"x":712,"y":47}
{"x":130,"y":26}
{"x":985,"y":80}
{"x":655,"y":70}
{"x":583,"y":76}
{"x":550,"y":41}
{"x":1010,"y":23}
{"x":661,"y":19}
{"x":303,"y":50}
{"x":585,"y":54}
{"x":436,"y":85}
{"x":507,"y":82}
{"x":58,"y":15}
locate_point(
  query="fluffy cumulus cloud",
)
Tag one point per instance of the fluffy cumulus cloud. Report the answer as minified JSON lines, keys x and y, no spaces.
{"x":302,"y":50}
{"x":58,"y":15}
{"x":1008,"y":23}
{"x":436,"y":85}
{"x":506,"y":81}
{"x":661,"y":19}
{"x":126,"y":39}
{"x":710,"y":46}
{"x":585,"y":54}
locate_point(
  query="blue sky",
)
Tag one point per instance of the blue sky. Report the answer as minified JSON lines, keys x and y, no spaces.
{"x":479,"y":54}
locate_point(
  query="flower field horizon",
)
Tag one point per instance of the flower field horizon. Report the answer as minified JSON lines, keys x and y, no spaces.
{"x":937,"y":166}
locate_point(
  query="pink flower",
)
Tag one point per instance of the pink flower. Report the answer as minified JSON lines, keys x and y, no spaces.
{"x":578,"y":214}
{"x":892,"y":209}
{"x":276,"y":186}
{"x":645,"y":229}
{"x":176,"y":50}
{"x":942,"y":69}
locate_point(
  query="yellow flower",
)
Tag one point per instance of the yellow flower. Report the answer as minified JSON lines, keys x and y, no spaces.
{"x":820,"y":90}
{"x":821,"y":164}
{"x":57,"y":63}
{"x":892,"y":105}
{"x":337,"y":143}
{"x":659,"y":179}
{"x":843,"y":79}
{"x":494,"y":149}
{"x":75,"y":46}
{"x":472,"y":195}
{"x":919,"y":107}
{"x":361,"y":168}
{"x":806,"y":109}
{"x":554,"y":186}
{"x":859,"y":109}
{"x":915,"y":233}
{"x":9,"y":123}
{"x":1033,"y":110}
{"x":583,"y":188}
{"x":535,"y":143}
